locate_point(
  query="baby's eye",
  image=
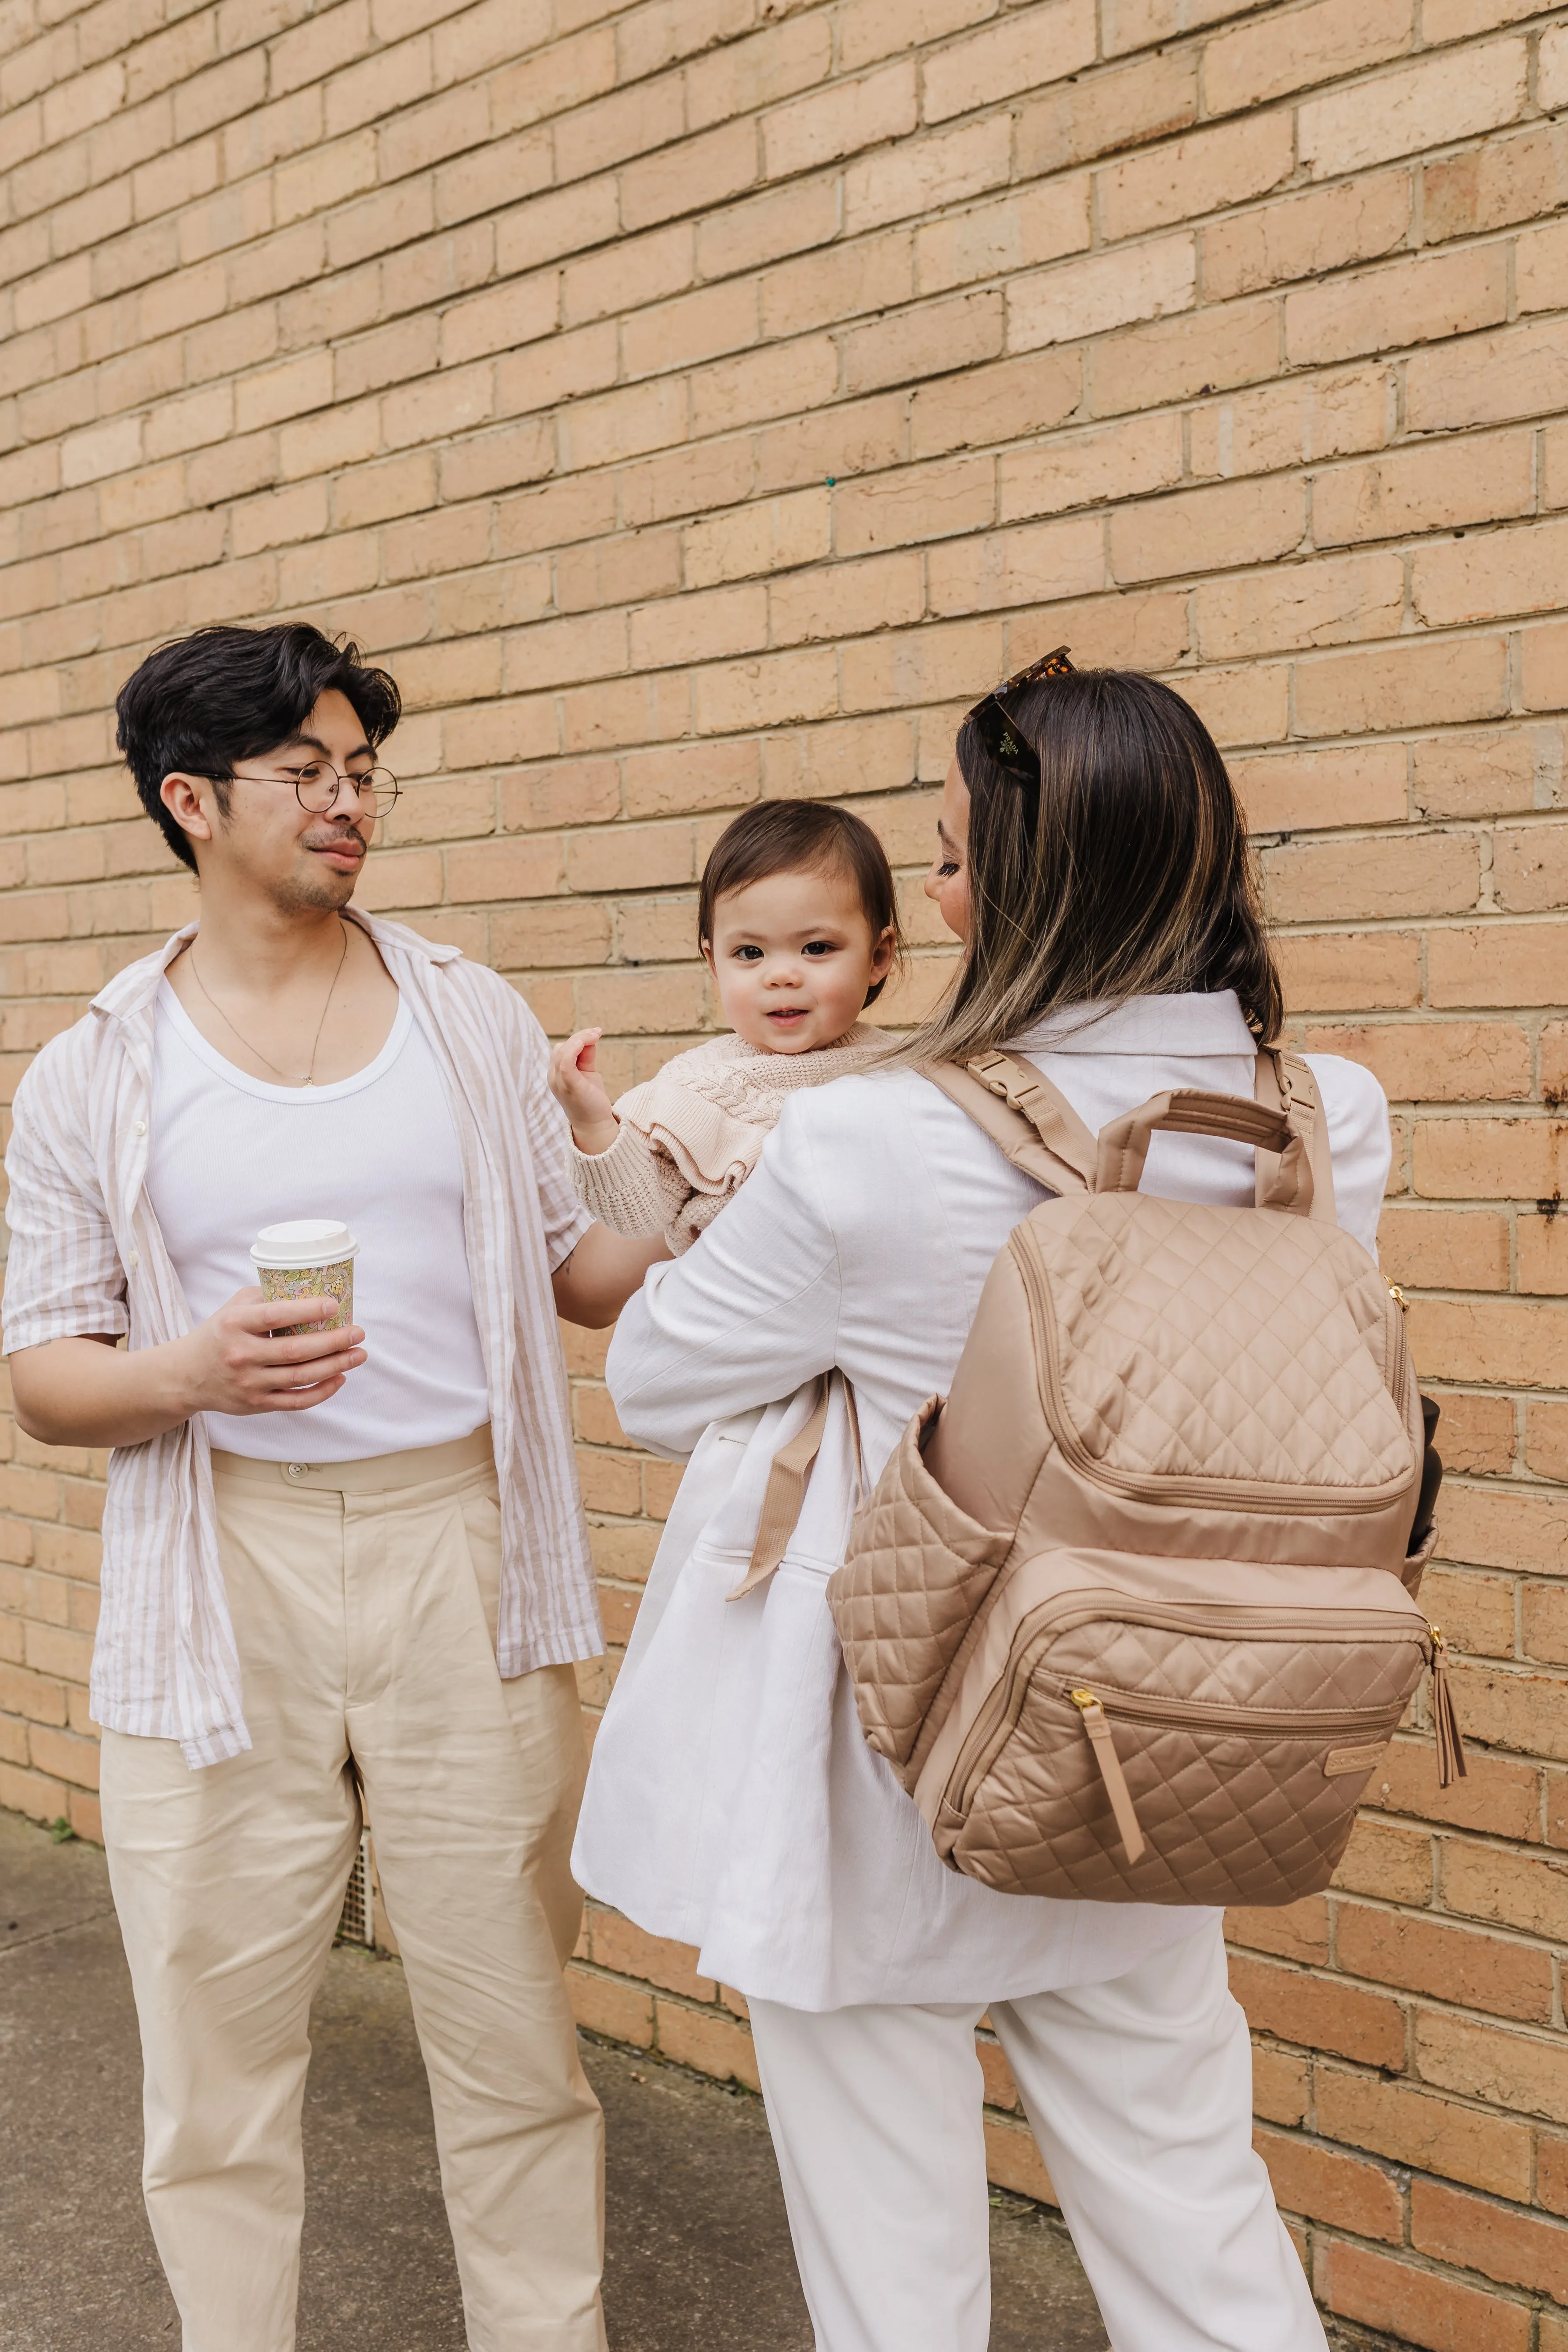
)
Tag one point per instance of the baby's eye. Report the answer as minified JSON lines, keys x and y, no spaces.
{"x":749,"y":955}
{"x":819,"y":946}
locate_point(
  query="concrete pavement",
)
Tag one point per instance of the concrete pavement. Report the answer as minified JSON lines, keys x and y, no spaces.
{"x":698,"y":2257}
{"x":699,"y":2253}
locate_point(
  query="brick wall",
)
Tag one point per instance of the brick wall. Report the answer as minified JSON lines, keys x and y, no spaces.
{"x":704,"y":398}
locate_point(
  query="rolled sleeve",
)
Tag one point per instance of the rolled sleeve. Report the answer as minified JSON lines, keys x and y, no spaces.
{"x":563,"y":1219}
{"x":64,"y":1278}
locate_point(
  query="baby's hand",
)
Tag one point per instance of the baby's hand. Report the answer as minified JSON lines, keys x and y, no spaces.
{"x":582,"y":1093}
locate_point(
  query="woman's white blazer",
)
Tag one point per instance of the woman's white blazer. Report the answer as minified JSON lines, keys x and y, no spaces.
{"x":732,"y":1802}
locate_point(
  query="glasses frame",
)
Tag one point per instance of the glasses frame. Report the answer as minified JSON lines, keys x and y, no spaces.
{"x":340,"y":776}
{"x":993,"y":722}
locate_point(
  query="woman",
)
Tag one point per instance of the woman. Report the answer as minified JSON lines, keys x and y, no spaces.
{"x":1092,"y":859}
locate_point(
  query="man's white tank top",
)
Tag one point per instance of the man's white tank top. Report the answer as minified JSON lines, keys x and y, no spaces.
{"x":228,"y":1154}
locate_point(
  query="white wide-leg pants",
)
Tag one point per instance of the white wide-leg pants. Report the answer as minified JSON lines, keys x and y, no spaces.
{"x":1139,"y":2094}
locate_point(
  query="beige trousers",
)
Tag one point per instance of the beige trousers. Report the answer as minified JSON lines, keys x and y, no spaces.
{"x":363,"y":1596}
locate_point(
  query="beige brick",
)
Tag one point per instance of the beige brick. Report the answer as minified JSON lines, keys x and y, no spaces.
{"x":1203,"y":173}
{"x":1553,"y":86}
{"x":767,"y":227}
{"x":841,"y":122}
{"x":1034,"y":564}
{"x":1487,"y":379}
{"x":1338,"y":970}
{"x":693,"y":176}
{"x":1101,"y":113}
{"x":1308,"y":235}
{"x":774,"y":382}
{"x":963,"y":329}
{"x":1449,"y":96}
{"x":1486,"y":775}
{"x":1429,"y":2133}
{"x":1174,"y":358}
{"x":1530,"y":865}
{"x":1413,"y":302}
{"x":1086,"y":298}
{"x":1476,"y":579}
{"x":1311,"y":603}
{"x":1499,"y":181}
{"x":1451,"y":1250}
{"x":1480,"y":479}
{"x":870,"y":275}
{"x":1026,"y":226}
{"x":922,"y":175}
{"x":919,"y":502}
{"x":1091,"y":468}
{"x":1319,"y":43}
{"x":1244,"y":522}
{"x":1434,"y":873}
{"x":1301,"y":791}
{"x":1540,"y":667}
{"x":767,"y":535}
{"x":1402,"y":686}
{"x":1446,"y":1061}
{"x":1046,"y":43}
{"x":736,"y":80}
{"x":1013,"y":399}
{"x":1291,"y":423}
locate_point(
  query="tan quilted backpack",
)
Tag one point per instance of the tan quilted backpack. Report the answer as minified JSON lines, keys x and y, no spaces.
{"x":1133,"y":1612}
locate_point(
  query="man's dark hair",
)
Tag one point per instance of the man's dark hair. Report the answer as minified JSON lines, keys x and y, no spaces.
{"x":202,"y":702}
{"x":801,"y":837}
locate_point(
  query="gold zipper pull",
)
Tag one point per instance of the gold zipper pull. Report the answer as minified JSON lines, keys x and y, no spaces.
{"x":1398,"y":1298}
{"x":1451,"y":1762}
{"x":1097,"y":1723}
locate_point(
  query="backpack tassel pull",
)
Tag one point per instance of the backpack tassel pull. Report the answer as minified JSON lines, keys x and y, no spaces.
{"x":1098,"y":1725}
{"x":1451,"y":1765}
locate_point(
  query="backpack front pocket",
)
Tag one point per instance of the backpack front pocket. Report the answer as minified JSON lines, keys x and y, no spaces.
{"x":1188,"y":1751}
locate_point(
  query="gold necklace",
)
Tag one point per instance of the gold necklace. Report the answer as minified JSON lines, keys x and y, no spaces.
{"x":310,"y":1078}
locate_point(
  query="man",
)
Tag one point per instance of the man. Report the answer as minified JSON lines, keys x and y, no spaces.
{"x":338,"y":1563}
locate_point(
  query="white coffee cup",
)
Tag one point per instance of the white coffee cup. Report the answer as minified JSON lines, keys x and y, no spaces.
{"x":311,"y":1257}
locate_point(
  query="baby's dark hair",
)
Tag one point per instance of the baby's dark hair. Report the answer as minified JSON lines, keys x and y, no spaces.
{"x":801,"y":837}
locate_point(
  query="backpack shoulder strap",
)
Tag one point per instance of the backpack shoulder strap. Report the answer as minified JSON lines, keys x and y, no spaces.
{"x":1283,"y":1081}
{"x":1024,"y":1116}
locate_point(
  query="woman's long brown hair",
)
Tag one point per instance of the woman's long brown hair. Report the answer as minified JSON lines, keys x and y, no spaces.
{"x":1126,"y":873}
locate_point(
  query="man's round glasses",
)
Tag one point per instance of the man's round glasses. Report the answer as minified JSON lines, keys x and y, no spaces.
{"x":316,"y":787}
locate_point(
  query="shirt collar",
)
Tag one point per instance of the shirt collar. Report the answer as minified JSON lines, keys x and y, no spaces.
{"x":132,"y":991}
{"x":1194,"y":1024}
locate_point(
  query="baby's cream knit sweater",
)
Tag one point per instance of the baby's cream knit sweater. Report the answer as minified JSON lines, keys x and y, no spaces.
{"x":691,"y":1135}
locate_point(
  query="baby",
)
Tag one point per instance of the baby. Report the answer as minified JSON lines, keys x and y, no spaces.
{"x":798,"y":922}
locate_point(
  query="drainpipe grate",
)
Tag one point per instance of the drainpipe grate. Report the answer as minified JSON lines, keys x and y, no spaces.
{"x":357,"y":1926}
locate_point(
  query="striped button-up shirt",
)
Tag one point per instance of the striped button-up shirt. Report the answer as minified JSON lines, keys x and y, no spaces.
{"x":87,"y":1256}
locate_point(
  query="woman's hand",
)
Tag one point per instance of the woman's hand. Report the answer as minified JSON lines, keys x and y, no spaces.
{"x":580,"y":1090}
{"x":89,"y":1392}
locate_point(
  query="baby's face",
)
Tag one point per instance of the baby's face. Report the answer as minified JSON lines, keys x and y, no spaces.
{"x":794,"y":958}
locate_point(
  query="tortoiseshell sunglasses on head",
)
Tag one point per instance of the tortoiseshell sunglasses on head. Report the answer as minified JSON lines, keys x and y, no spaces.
{"x":995,"y":729}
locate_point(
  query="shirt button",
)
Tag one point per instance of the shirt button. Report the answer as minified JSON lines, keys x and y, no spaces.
{"x":139,"y":1127}
{"x":135,"y":1261}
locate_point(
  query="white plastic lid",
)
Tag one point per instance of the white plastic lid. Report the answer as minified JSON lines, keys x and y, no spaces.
{"x":309,"y":1241}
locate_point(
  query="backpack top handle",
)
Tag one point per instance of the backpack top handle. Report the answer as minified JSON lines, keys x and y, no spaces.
{"x":1188,"y":1110}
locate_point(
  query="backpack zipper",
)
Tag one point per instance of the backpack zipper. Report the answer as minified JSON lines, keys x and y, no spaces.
{"x":996,"y":1722}
{"x":1226,"y":1493}
{"x":1092,"y":1707}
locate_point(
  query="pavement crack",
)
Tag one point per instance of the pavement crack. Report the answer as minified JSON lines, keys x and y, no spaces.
{"x":46,"y":1934}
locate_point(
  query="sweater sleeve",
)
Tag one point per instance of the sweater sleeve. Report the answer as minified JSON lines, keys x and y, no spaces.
{"x":634,"y":1187}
